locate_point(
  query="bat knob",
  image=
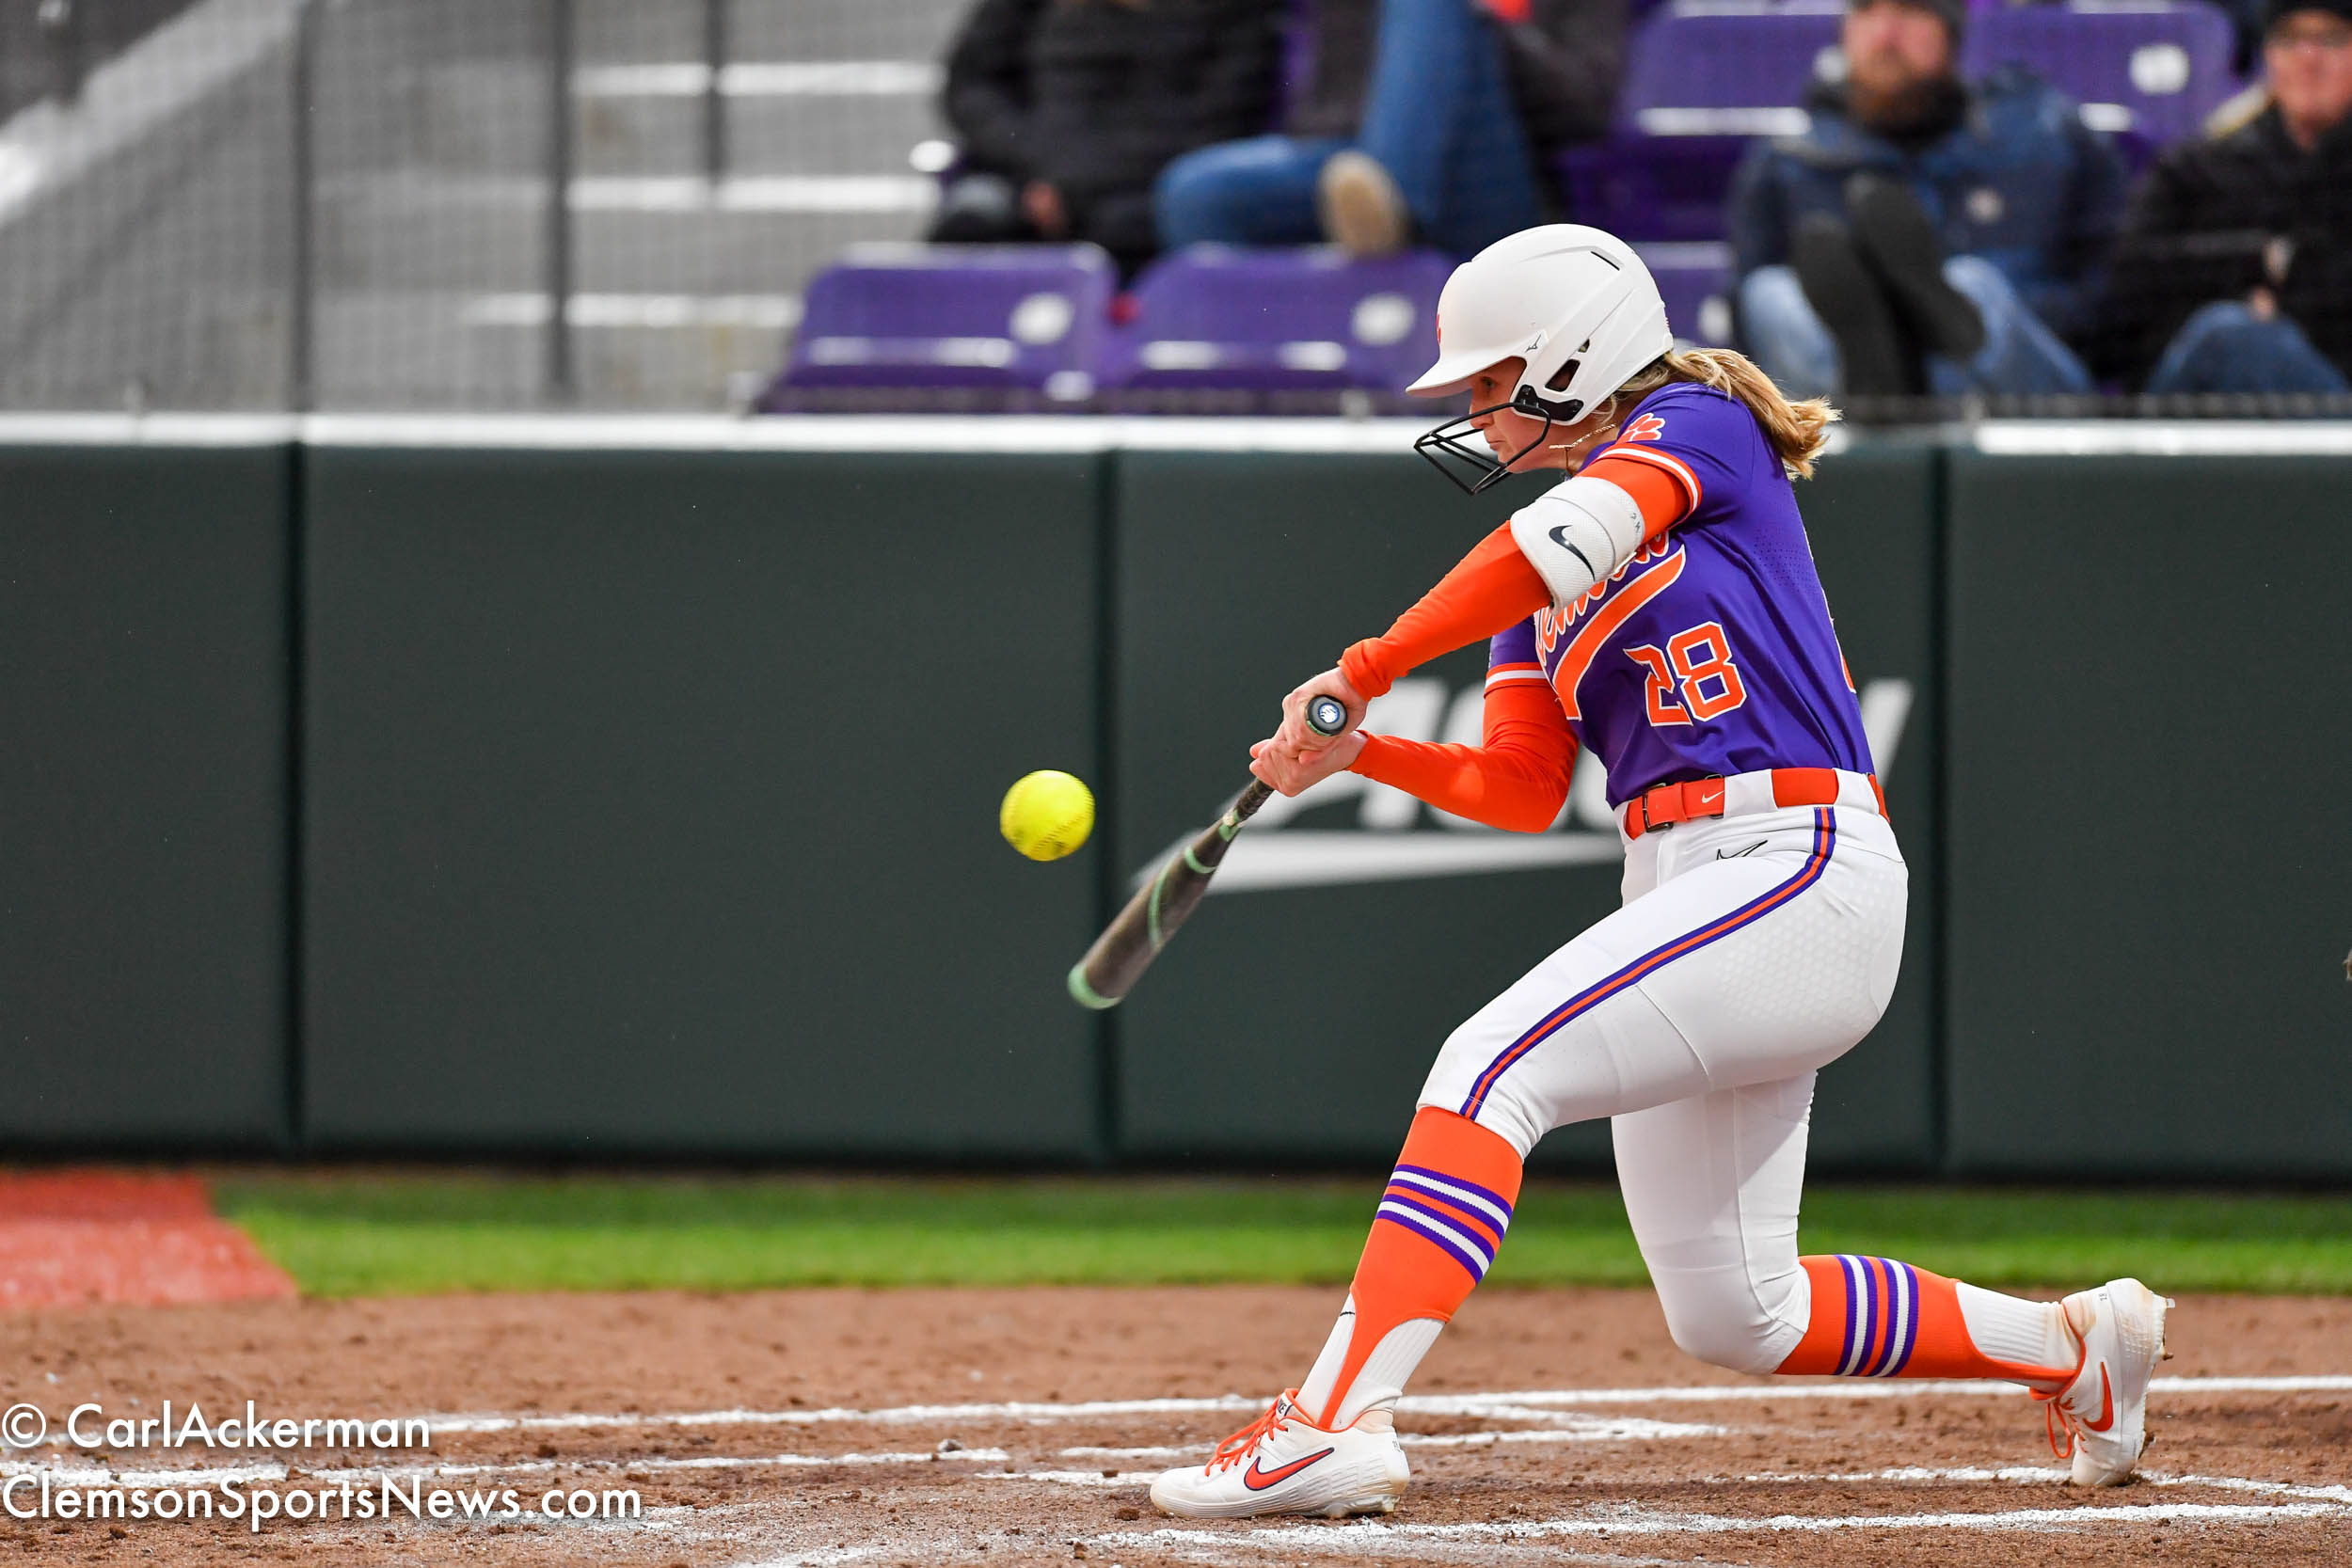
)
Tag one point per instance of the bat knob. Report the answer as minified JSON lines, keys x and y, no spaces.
{"x":1326,"y":716}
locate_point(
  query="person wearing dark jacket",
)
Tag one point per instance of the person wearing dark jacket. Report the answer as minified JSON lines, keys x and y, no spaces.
{"x":2234,"y":272}
{"x":1068,"y":109}
{"x":1924,"y":233}
{"x":1419,"y":120}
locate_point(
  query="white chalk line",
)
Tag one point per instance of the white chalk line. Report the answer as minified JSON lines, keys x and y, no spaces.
{"x":2016,"y":1475}
{"x":2044,"y":1474}
{"x":2307,"y":1502}
{"x":1008,"y":1410}
{"x":1573,"y":1428}
{"x":82,"y":1476}
{"x":1356,"y":1539}
{"x":1533,"y":1403}
{"x":1624,"y":1522}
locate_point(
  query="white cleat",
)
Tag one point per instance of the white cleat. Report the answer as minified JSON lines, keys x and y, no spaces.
{"x":2103,"y":1412}
{"x":1283,"y":1463}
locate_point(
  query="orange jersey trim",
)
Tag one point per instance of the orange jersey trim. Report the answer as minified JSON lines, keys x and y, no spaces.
{"x":1504,"y":674}
{"x":1660,"y":495}
{"x":1605,"y":465}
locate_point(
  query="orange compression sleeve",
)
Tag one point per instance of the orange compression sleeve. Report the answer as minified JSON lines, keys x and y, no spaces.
{"x":1517,"y":779}
{"x":1493,"y":588}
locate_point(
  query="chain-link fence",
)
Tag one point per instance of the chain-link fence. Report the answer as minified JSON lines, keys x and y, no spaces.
{"x":616,"y":204}
{"x":480,"y":203}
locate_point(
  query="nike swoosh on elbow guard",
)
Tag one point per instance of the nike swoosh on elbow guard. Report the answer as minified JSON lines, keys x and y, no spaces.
{"x":1558,"y":537}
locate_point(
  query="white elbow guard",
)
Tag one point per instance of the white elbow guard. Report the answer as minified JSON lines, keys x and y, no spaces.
{"x":1577,"y":534}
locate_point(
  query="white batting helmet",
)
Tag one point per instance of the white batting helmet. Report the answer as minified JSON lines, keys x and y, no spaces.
{"x":1574,"y":303}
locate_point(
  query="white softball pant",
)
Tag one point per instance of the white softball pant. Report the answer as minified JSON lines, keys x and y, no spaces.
{"x":1751,"y":951}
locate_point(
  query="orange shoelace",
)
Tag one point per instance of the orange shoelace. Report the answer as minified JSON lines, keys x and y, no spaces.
{"x":1241,"y":1444}
{"x":2057,"y":1419}
{"x":2055,"y":1416}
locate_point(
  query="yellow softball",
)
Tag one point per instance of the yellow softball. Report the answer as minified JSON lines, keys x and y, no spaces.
{"x":1046,"y":815}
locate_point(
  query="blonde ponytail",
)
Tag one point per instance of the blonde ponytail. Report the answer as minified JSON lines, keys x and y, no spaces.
{"x":1797,"y":431}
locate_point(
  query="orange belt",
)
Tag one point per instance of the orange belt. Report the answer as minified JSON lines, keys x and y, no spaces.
{"x":1670,"y":804}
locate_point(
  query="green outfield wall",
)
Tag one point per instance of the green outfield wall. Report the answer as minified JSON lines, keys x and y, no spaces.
{"x":604,"y":789}
{"x":145,"y":807}
{"x":650,"y":803}
{"x":2149,"y":667}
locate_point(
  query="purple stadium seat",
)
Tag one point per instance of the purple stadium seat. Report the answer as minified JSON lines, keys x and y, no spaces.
{"x":1028,"y":318}
{"x":1695,"y":278}
{"x":1702,"y":78}
{"x":2151,"y":70}
{"x":1214,"y":316}
{"x":1709,"y":67}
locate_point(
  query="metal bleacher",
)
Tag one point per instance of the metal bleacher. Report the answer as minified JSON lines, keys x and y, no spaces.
{"x":712,"y":173}
{"x":348,"y":203}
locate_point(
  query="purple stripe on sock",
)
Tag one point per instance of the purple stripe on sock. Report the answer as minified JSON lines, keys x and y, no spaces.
{"x":1898,"y":1317}
{"x":1896,"y":1311}
{"x":1854,"y":1315}
{"x":1404,"y":1199}
{"x":1906,"y":1313}
{"x":1470,"y":1264}
{"x":1487,"y":1193}
{"x":1874,"y":1313}
{"x":1452,"y":1207}
{"x":1883,"y":1301}
{"x":1911,"y":1330}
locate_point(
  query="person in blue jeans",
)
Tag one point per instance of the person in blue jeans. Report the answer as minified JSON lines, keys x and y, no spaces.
{"x":1923,"y":234}
{"x":1414,"y":122}
{"x":2243,"y":346}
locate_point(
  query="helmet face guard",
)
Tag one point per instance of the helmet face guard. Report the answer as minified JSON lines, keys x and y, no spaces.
{"x":1470,"y":465}
{"x":1574,"y":305}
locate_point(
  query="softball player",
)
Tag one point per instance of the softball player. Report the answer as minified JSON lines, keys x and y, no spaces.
{"x":1660,"y":606}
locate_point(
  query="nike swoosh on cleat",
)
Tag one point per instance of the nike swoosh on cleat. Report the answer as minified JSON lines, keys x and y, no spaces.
{"x":1258,"y":1480}
{"x":2106,"y":1403}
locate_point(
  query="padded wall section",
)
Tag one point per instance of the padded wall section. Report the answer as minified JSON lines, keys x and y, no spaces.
{"x":143,"y":796}
{"x":2148,"y":852}
{"x":653,"y":802}
{"x":1872,"y":514}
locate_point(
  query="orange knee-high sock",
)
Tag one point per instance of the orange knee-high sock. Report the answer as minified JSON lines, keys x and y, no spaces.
{"x":1874,"y":1317}
{"x":1443,"y":1216}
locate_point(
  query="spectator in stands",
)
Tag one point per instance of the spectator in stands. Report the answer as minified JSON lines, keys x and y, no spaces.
{"x":1069,"y":108}
{"x":1923,"y":233}
{"x":1428,"y":120}
{"x":2234,"y":273}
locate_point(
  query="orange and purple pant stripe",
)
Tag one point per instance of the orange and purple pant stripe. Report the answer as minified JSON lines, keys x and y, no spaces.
{"x":1825,"y":841}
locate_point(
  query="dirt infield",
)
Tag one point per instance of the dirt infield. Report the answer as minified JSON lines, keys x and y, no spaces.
{"x":808,"y":1426}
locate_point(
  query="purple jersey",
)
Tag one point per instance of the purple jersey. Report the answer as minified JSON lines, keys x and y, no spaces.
{"x":1710,"y":652}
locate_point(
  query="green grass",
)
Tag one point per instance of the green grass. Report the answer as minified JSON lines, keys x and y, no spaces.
{"x":341,"y":1235}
